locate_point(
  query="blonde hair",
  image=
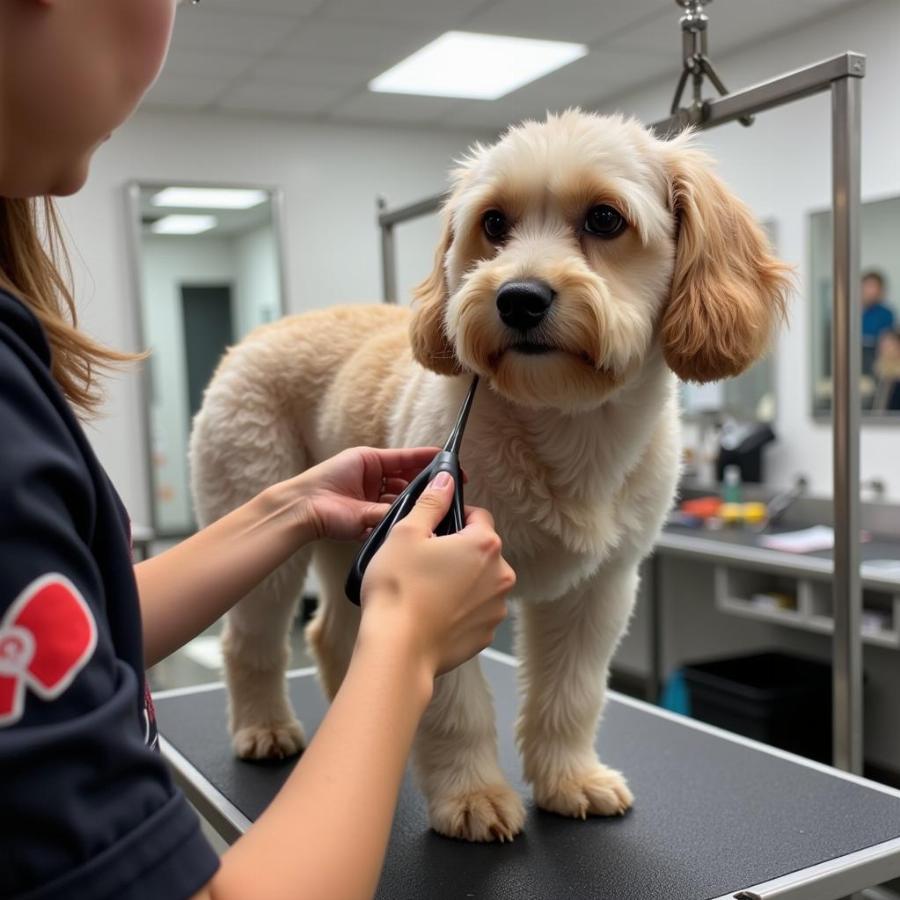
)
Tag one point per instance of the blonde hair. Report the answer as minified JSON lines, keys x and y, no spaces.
{"x":34,"y":267}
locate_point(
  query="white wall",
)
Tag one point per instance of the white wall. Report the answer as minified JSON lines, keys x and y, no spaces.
{"x":781,"y":167}
{"x":258,"y":289}
{"x":330,"y":177}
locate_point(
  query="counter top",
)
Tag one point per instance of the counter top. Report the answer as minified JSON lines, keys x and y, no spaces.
{"x":736,"y":545}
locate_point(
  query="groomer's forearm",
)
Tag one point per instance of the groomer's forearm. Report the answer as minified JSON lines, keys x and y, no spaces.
{"x":187,"y":588}
{"x":325,"y":834}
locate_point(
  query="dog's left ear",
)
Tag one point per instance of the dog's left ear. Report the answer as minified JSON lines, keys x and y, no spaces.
{"x":728,"y":291}
{"x":430,"y":344}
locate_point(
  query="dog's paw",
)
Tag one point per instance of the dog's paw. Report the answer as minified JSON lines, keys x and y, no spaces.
{"x":599,"y":791}
{"x":274,"y":740}
{"x":494,"y":812}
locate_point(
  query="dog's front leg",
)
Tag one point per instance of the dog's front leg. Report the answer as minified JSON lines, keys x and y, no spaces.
{"x":456,"y":762}
{"x":565,"y":647}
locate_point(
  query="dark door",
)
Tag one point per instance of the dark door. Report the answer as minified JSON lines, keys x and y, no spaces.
{"x":208,"y":331}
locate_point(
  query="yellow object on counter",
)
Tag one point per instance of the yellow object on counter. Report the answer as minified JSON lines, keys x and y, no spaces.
{"x":754,"y":513}
{"x":731,"y":513}
{"x":741,"y":513}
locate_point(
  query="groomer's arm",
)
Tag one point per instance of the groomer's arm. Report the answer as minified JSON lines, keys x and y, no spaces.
{"x":190,"y":586}
{"x":429,"y":603}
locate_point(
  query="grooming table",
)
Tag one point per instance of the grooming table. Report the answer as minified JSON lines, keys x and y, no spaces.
{"x":716,"y":816}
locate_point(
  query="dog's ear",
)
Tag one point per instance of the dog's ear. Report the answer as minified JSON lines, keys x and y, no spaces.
{"x":728,"y":291}
{"x":430,"y":344}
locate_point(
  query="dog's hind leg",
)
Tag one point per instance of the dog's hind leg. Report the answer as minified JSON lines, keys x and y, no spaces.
{"x":564,"y":648}
{"x":331,"y":635}
{"x":244,"y":441}
{"x":456,"y":762}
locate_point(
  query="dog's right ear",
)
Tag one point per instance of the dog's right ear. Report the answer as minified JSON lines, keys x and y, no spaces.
{"x":430,"y":344}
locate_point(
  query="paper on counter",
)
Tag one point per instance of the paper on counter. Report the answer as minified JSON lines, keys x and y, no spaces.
{"x":808,"y":540}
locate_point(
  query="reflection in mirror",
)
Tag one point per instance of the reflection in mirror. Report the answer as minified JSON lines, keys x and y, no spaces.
{"x":209,"y":270}
{"x":880,"y":263}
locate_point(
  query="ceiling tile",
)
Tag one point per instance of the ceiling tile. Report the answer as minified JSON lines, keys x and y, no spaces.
{"x":368,"y":106}
{"x":260,"y":96}
{"x":206,"y":64}
{"x":301,"y":70}
{"x":432,"y":12}
{"x":218,"y":30}
{"x":358,"y":42}
{"x":585,"y":21}
{"x":288,"y":7}
{"x":601,"y":73}
{"x":182,"y":91}
{"x":730,"y":25}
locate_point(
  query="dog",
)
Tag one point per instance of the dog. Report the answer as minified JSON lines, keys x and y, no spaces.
{"x":583,"y":265}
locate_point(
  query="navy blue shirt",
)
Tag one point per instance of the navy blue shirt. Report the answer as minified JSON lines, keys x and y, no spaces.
{"x":876,"y":319}
{"x":87,"y":806}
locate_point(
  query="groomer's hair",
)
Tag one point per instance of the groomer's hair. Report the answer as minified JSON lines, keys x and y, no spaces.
{"x":875,"y":275}
{"x":34,"y":267}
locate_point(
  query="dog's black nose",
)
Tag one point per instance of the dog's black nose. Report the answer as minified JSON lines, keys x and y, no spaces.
{"x":523,"y":304}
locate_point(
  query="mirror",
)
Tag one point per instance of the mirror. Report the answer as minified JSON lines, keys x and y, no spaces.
{"x":880,"y":264}
{"x":208,"y":270}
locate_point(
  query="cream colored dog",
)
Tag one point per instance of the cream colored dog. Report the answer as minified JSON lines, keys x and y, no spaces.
{"x":582,"y":262}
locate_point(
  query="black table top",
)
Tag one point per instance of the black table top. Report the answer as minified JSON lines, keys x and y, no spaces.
{"x":712,"y":815}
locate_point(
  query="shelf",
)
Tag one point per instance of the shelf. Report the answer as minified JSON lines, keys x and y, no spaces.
{"x":736,"y":587}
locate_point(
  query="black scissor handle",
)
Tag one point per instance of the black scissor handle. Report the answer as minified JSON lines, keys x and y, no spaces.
{"x":454,"y":521}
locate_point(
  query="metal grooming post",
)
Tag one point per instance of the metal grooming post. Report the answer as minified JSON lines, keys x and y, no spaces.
{"x":387,"y":219}
{"x":696,"y":63}
{"x":841,"y":75}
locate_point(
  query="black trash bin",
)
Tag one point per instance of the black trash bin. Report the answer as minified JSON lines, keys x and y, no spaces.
{"x":773,"y":697}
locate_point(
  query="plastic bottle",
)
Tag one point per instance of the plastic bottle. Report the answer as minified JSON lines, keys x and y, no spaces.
{"x":733,"y":488}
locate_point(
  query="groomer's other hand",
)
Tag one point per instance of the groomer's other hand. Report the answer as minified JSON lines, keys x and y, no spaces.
{"x":346,"y":495}
{"x":442,"y":596}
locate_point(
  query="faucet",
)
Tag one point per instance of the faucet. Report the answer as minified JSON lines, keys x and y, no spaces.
{"x":781,"y":503}
{"x":877,"y":487}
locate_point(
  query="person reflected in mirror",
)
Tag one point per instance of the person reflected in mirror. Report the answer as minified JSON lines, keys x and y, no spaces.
{"x":877,"y":315}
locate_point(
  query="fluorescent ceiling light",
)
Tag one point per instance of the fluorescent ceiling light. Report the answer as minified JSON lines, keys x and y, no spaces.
{"x":209,"y":198}
{"x":475,"y":66}
{"x":184,"y":224}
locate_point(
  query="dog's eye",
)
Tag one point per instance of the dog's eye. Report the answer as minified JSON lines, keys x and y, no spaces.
{"x":495,"y":225}
{"x":604,"y":221}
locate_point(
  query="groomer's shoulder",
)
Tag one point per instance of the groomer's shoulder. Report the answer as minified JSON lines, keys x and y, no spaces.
{"x":89,"y":808}
{"x":36,"y":424}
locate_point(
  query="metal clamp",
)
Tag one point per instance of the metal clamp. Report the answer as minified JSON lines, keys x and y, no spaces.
{"x":696,"y":65}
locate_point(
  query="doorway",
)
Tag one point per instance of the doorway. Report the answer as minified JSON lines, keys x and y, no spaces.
{"x":208,"y":330}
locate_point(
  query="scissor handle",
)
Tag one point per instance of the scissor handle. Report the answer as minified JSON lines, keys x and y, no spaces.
{"x":454,"y":521}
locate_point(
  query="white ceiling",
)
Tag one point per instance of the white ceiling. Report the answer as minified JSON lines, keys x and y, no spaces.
{"x":314,"y":58}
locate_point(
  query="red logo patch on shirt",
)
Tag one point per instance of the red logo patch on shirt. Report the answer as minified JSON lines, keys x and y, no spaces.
{"x":46,"y":638}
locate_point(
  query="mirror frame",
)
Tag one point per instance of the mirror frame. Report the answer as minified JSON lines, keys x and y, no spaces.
{"x":136,"y":275}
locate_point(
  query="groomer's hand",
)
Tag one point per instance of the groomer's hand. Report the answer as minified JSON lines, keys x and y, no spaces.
{"x":349,"y":493}
{"x":440,"y":597}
